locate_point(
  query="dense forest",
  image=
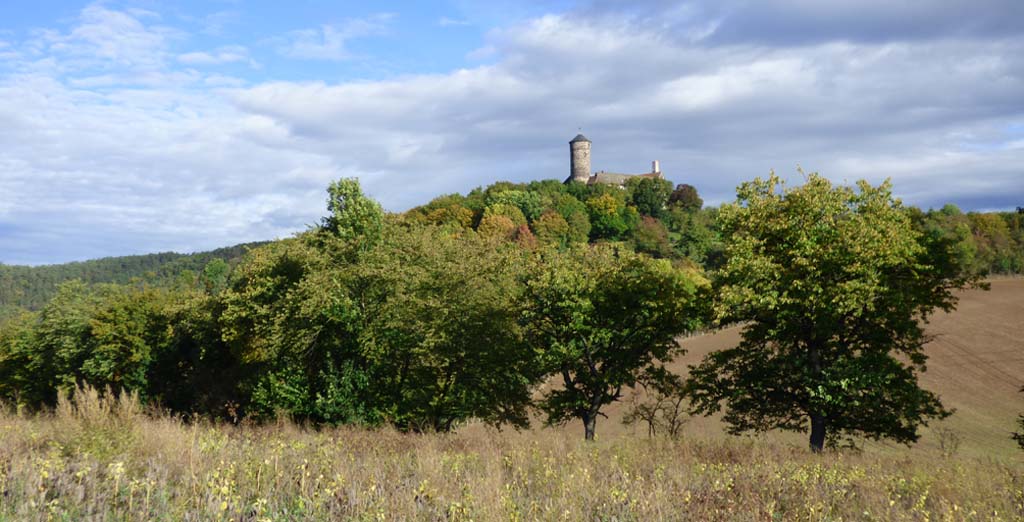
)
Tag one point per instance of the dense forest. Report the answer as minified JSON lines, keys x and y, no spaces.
{"x":31,"y":287}
{"x":460,"y":308}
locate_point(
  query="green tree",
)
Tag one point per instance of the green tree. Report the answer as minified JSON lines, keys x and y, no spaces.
{"x":440,"y":333}
{"x":950,"y":230}
{"x":60,"y":343}
{"x":127,"y":331}
{"x":215,"y":276}
{"x":697,"y":237}
{"x":602,"y":318}
{"x":507,"y":210}
{"x":832,"y":285}
{"x":649,"y":195}
{"x":610,"y":217}
{"x":529,"y":203}
{"x":293,"y":323}
{"x":456,"y":215}
{"x":18,"y":383}
{"x":352,"y":214}
{"x":576,"y":215}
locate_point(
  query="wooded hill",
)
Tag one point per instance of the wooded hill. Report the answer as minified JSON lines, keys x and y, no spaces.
{"x":31,"y":287}
{"x":469,"y":306}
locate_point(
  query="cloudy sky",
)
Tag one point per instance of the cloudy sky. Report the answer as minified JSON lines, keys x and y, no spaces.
{"x":141,"y":126}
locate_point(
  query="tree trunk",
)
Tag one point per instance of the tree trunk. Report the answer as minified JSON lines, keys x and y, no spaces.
{"x":589,"y":425}
{"x":817,"y":432}
{"x":817,"y":418}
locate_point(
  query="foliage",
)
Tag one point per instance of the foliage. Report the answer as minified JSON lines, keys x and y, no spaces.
{"x":457,"y":215}
{"x":497,"y":226}
{"x":440,"y":332}
{"x":552,"y":229}
{"x":832,"y":284}
{"x":291,"y":321}
{"x":528,"y":203}
{"x":697,"y":237}
{"x":651,"y":237}
{"x":507,"y":210}
{"x":215,"y":275}
{"x":602,"y":318}
{"x":126,"y":332}
{"x":649,"y":195}
{"x":983,"y":243}
{"x":413,"y":320}
{"x":31,"y":287}
{"x":576,"y":214}
{"x":685,"y":198}
{"x":352,"y":216}
{"x":610,"y":217}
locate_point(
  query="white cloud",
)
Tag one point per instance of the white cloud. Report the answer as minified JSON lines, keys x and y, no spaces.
{"x":116,"y":141}
{"x":714,"y":115}
{"x":223,"y":55}
{"x":330,"y":41}
{"x":110,"y":38}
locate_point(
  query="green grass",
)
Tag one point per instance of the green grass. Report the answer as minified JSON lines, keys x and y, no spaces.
{"x":99,"y":459}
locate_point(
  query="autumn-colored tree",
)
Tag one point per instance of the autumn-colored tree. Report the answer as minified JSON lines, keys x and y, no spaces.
{"x":651,"y":237}
{"x":685,"y":197}
{"x":496,"y":226}
{"x":552,"y":229}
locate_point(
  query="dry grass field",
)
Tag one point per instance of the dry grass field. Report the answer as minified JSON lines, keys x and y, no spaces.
{"x":104,"y":460}
{"x":98,"y":459}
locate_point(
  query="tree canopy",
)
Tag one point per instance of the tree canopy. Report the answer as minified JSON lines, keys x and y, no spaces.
{"x":832,"y":284}
{"x":460,"y":308}
{"x":602,"y":319}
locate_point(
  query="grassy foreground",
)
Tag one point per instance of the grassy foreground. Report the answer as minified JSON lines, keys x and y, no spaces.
{"x":101,"y":459}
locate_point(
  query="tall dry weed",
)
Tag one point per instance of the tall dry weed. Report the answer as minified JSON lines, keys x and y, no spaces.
{"x":97,"y":423}
{"x":98,"y":457}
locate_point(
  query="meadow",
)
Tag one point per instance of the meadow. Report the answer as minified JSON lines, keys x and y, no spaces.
{"x":99,"y":458}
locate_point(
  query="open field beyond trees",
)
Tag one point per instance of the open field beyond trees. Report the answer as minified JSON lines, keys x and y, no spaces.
{"x":975,"y":365}
{"x":107,"y":460}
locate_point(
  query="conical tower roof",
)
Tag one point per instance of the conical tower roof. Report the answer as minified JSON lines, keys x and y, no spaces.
{"x":579,"y":137}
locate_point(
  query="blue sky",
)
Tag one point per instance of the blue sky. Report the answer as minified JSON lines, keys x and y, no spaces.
{"x":140,"y":126}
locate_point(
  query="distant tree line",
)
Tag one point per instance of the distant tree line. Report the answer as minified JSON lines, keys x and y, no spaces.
{"x":461,"y":308}
{"x":31,"y":287}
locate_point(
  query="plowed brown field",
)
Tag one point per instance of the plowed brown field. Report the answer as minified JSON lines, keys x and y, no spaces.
{"x":976,"y":365}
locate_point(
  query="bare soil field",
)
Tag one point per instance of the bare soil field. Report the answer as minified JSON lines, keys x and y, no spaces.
{"x":976,"y":365}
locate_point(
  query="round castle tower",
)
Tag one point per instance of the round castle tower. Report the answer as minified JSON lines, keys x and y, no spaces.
{"x":579,"y":158}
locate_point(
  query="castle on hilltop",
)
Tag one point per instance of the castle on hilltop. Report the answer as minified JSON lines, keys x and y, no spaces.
{"x":579,"y":167}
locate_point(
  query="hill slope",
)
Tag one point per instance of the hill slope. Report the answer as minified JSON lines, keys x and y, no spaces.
{"x":976,"y":365}
{"x":32,"y":287}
